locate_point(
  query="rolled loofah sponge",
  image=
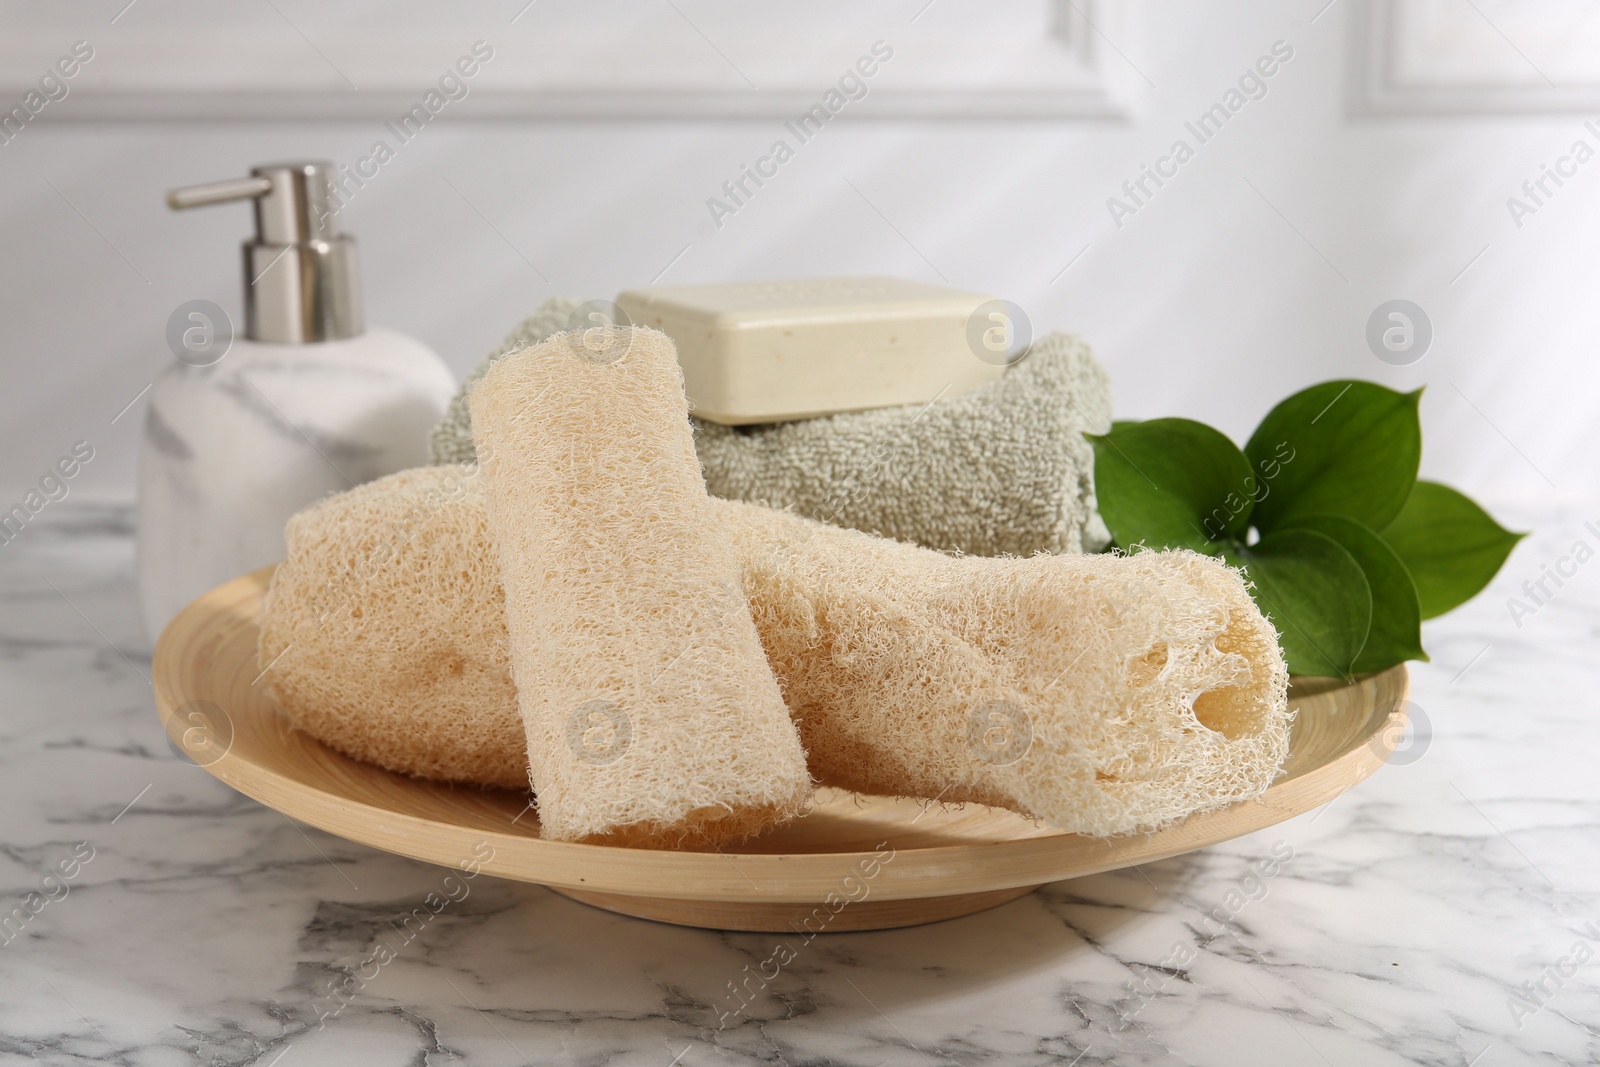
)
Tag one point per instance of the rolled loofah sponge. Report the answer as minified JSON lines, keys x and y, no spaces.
{"x":451,"y":440}
{"x":1104,"y":694}
{"x":652,"y":717}
{"x":1003,"y":469}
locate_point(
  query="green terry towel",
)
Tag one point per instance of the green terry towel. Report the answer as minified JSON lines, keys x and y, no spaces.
{"x":1001,"y":470}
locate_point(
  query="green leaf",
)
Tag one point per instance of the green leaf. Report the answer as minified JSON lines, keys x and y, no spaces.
{"x":1396,"y":631}
{"x":1171,"y":483}
{"x":1346,"y":448}
{"x":1449,"y":544}
{"x":1315,"y":594}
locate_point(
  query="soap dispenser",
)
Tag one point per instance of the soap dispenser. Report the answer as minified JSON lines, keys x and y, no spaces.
{"x":307,"y":403}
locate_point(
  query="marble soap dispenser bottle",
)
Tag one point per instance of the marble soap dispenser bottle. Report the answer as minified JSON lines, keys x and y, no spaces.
{"x":309,"y":402}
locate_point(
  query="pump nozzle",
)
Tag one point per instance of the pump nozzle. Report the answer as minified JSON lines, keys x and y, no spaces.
{"x":301,"y":282}
{"x":218,"y":192}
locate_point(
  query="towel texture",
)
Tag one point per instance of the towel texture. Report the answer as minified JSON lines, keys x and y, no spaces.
{"x":1104,"y":694}
{"x":651,"y":715}
{"x":1003,"y":469}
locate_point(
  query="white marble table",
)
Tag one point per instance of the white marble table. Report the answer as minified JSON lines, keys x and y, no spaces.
{"x":206,"y":929}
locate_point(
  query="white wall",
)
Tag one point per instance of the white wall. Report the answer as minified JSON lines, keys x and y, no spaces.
{"x":1207,"y":303}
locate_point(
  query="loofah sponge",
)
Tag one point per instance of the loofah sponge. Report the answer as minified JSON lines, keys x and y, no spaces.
{"x":385,"y":631}
{"x":451,"y":440}
{"x":1104,"y":694}
{"x":1003,"y":469}
{"x":651,"y":714}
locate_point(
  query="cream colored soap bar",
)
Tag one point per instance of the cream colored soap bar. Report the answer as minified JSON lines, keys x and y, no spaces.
{"x":772,"y":351}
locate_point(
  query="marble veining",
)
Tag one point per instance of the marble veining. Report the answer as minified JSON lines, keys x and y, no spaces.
{"x":232,"y":449}
{"x":1445,"y":912}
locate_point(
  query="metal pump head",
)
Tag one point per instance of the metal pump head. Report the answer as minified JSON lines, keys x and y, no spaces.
{"x":301,"y":280}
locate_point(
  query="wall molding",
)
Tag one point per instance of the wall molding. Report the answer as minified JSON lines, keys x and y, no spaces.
{"x":955,"y":61}
{"x":1451,"y":57}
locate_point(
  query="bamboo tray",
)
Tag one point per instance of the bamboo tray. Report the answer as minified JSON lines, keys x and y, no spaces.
{"x":854,"y":863}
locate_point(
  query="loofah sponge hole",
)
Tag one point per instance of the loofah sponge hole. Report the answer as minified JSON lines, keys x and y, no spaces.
{"x":1233,"y":707}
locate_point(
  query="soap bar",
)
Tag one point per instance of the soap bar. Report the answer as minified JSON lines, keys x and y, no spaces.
{"x":773,"y":351}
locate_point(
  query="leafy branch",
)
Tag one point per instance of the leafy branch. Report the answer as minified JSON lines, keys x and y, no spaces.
{"x":1345,"y":549}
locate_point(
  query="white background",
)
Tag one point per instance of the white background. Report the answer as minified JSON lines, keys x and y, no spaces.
{"x":1248,"y":276}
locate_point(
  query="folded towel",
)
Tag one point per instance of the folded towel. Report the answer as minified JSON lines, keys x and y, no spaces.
{"x":1104,"y":694}
{"x":1001,"y":470}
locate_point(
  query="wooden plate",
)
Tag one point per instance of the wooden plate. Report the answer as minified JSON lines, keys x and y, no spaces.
{"x":855,"y":863}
